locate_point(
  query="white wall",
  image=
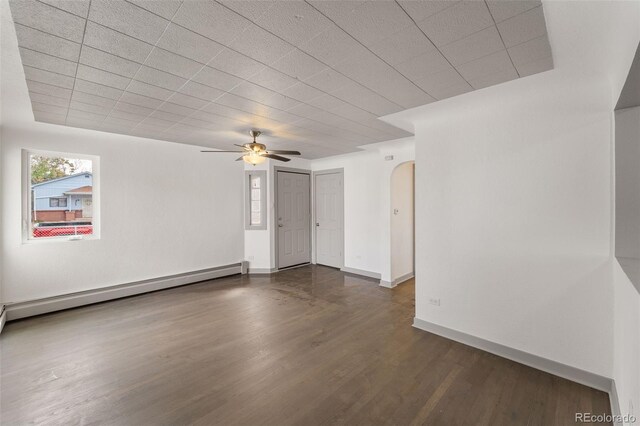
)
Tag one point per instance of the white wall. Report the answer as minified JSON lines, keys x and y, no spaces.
{"x":627,"y":122}
{"x":402,"y":221}
{"x":165,"y":208}
{"x":367,"y":203}
{"x":626,"y":342}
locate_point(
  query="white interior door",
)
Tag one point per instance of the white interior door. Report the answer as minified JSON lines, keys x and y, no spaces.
{"x":293,"y":219}
{"x":329,"y":217}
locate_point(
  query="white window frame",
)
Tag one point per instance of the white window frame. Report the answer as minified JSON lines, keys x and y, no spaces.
{"x":27,"y":229}
{"x":262,"y":174}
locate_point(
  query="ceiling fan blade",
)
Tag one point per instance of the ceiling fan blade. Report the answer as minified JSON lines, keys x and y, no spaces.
{"x":240,"y":158}
{"x":221,"y":151}
{"x":283,"y":151}
{"x":276,"y":157}
{"x":246,"y":148}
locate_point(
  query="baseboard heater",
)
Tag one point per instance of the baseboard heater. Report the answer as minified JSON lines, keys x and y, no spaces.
{"x":72,"y":300}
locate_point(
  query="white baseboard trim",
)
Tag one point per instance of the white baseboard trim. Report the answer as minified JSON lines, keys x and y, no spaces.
{"x":362,"y":272}
{"x":3,"y":317}
{"x":616,"y":412}
{"x":553,"y":367}
{"x":399,"y":280}
{"x":73,"y":300}
{"x":259,"y":271}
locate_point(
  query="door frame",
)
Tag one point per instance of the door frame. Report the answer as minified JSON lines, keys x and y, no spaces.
{"x":314,"y":252}
{"x":274,"y":218}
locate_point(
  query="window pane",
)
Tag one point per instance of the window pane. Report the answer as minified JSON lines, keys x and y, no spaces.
{"x":255,"y":194}
{"x":255,"y":181}
{"x":255,"y":218}
{"x":61,"y":196}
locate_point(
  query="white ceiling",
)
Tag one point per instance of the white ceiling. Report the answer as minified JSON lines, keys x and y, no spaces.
{"x":314,"y":75}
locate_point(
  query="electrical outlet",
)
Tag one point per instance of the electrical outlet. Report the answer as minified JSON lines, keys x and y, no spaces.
{"x":434,"y":301}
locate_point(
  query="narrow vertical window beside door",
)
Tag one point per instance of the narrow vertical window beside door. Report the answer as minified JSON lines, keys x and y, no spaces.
{"x":256,"y":200}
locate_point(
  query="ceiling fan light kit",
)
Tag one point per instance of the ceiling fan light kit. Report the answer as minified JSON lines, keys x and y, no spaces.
{"x":256,"y":153}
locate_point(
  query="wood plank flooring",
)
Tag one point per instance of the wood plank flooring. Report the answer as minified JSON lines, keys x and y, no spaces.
{"x":307,"y":346}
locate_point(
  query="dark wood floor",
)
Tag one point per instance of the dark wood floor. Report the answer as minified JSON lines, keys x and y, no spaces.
{"x":307,"y":346}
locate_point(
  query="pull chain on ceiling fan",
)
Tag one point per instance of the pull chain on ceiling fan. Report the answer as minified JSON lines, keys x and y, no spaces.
{"x":256,"y":153}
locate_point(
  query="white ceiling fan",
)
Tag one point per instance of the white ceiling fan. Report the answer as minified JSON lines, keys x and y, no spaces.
{"x":257,"y":153}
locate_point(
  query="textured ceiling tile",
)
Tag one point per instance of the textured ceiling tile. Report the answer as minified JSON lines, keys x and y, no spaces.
{"x":110,"y":41}
{"x":131,"y":109}
{"x":477,"y":45}
{"x":529,"y":51}
{"x":85,"y":115}
{"x":534,"y":67}
{"x":47,"y":89}
{"x":421,"y":66}
{"x":164,"y":8}
{"x":157,"y":123}
{"x":97,"y":89}
{"x":403,"y":45}
{"x":45,"y":43}
{"x":105,"y":61}
{"x":87,"y":98}
{"x":366,"y":99}
{"x":128,"y":19}
{"x":49,"y":108}
{"x":48,"y":19}
{"x":294,"y":21}
{"x":250,"y":9}
{"x":261,"y":45}
{"x":217,"y":79}
{"x":222,"y":105}
{"x":198,"y":16}
{"x":167,"y":116}
{"x":440,"y":80}
{"x":76,"y":7}
{"x":456,"y":22}
{"x":331,"y":46}
{"x":102,"y":77}
{"x":49,"y":100}
{"x":485,"y":66}
{"x":187,"y":43}
{"x":373,"y":21}
{"x":272,"y":79}
{"x":505,"y":9}
{"x":328,"y":80}
{"x":451,"y":91}
{"x":176,"y":109}
{"x":326,"y":102}
{"x":47,"y":117}
{"x":493,"y":79}
{"x":201,"y":91}
{"x":148,"y":90}
{"x":253,"y":91}
{"x":133,"y":118}
{"x":35,"y":74}
{"x":47,"y":62}
{"x":187,"y":101}
{"x":236,"y":64}
{"x":214,"y":117}
{"x":420,"y":10}
{"x":302,"y":92}
{"x":172,"y":63}
{"x":143,"y":101}
{"x":120,"y":123}
{"x":96,"y":109}
{"x":298,"y":64}
{"x":523,"y":27}
{"x":159,"y":78}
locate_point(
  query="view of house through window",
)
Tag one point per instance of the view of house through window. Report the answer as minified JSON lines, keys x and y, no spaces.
{"x":61,"y":196}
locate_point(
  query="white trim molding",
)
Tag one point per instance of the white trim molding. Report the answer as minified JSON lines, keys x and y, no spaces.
{"x":362,"y":272}
{"x":3,"y":317}
{"x":399,"y":280}
{"x":73,"y":300}
{"x":568,"y":372}
{"x":261,"y":271}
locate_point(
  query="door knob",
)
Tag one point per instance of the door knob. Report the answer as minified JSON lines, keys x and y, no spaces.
{"x":317,"y":224}
{"x":280,"y":225}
